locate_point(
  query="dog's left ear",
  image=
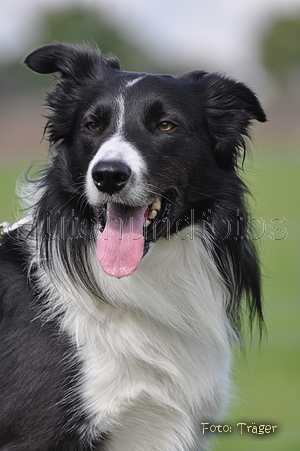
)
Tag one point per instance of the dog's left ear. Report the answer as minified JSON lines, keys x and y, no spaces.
{"x":230,"y":108}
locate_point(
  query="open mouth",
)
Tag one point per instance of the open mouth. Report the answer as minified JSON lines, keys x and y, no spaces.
{"x":127,"y":232}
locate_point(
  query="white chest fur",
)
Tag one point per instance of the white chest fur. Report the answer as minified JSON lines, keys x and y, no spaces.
{"x":156,"y":353}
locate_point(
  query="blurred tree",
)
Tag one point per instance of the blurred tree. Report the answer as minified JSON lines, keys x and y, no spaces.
{"x":281,"y":51}
{"x":77,"y":25}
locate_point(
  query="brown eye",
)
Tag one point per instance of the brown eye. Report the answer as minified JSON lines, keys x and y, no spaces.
{"x":166,"y":126}
{"x":93,"y":127}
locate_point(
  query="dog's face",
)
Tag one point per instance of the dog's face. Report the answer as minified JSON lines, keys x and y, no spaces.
{"x":144,"y":147}
{"x":147,"y":147}
{"x":135,"y":131}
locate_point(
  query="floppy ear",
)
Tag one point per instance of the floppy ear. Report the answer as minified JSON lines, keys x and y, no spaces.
{"x":230,"y":108}
{"x":78,"y":66}
{"x":49,"y":58}
{"x":72,"y":61}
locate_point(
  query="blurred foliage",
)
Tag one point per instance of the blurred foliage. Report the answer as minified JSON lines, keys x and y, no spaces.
{"x":78,"y":25}
{"x":75,"y":25}
{"x":281,"y":51}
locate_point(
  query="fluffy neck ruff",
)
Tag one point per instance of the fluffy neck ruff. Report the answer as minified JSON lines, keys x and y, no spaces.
{"x":154,"y":345}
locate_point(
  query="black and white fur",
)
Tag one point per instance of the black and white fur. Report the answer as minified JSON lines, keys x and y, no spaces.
{"x":93,"y":362}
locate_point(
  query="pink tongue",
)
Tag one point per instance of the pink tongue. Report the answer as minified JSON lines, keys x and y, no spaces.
{"x":121,"y":244}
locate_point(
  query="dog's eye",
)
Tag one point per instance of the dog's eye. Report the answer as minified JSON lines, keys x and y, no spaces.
{"x":93,"y":127}
{"x":166,"y":126}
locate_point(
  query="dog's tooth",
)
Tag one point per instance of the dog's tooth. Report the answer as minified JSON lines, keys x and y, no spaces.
{"x":108,"y":205}
{"x":156,"y":205}
{"x":147,"y":223}
{"x":152,"y":214}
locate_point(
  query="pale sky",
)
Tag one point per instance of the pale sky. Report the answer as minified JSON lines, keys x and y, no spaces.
{"x":221,"y":34}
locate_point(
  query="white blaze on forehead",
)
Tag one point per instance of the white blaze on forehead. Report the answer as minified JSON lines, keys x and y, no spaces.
{"x":121,"y":104}
{"x":118,"y":149}
{"x":134,"y":81}
{"x":121,"y":117}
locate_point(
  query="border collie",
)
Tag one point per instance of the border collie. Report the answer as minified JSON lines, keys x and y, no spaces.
{"x":123,"y":287}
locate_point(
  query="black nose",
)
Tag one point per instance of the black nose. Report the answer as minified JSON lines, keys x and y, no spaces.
{"x":110,"y":176}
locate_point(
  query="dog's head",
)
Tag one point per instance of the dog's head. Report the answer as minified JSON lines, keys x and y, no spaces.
{"x":152,"y":147}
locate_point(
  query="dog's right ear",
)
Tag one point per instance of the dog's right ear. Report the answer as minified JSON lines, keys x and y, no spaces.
{"x":63,"y":58}
{"x":78,"y":67}
{"x":48,"y":59}
{"x":54,"y":58}
{"x":71,"y":61}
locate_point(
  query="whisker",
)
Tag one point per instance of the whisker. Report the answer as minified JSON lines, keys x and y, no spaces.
{"x":159,"y":193}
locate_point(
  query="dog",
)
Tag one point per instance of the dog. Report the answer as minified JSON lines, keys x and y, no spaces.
{"x":122,"y":288}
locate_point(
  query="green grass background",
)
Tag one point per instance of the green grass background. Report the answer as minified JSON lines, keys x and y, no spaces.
{"x":266,"y":378}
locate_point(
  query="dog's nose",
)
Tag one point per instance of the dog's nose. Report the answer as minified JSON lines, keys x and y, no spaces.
{"x":110,"y":176}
